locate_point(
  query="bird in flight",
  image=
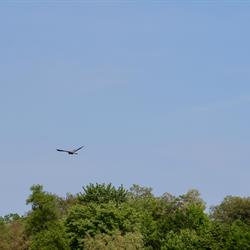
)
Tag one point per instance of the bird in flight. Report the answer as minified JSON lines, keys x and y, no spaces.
{"x":70,"y":152}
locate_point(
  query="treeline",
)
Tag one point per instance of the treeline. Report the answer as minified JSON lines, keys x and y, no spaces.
{"x":105,"y":217}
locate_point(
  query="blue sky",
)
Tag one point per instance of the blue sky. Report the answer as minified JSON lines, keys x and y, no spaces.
{"x":159,"y":94}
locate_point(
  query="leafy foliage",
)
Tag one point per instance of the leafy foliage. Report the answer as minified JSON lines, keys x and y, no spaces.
{"x":42,"y":223}
{"x":116,"y":241}
{"x":99,"y":219}
{"x":232,"y":208}
{"x":102,"y":193}
{"x":43,"y":213}
{"x":53,"y":238}
{"x":12,"y":235}
{"x":104,"y":217}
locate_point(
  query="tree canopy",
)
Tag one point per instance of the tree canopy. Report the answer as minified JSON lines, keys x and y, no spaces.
{"x":103,"y":216}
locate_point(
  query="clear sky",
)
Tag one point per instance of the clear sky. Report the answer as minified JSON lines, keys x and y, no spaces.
{"x":158,"y":92}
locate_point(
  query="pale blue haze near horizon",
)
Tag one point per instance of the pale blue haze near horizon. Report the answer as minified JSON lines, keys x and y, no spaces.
{"x":158,"y":93}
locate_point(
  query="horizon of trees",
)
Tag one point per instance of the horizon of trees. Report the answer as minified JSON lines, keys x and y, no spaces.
{"x":103,"y":216}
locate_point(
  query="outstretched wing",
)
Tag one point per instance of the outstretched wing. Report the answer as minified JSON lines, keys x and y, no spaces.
{"x":75,"y":150}
{"x":61,"y":150}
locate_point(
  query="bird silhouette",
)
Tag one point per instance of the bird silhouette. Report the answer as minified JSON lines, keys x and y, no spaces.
{"x":70,"y":152}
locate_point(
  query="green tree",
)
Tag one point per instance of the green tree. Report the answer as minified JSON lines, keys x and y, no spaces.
{"x":185,"y":239}
{"x":116,"y":241}
{"x":93,"y":219}
{"x":12,"y":233}
{"x":104,"y":217}
{"x":192,"y":197}
{"x":232,"y":208}
{"x":147,"y":206}
{"x":43,"y":210}
{"x":137,"y":192}
{"x":10,"y":218}
{"x":42,"y":223}
{"x":53,"y":238}
{"x":102,"y":193}
{"x":239,"y":236}
{"x":64,"y":204}
{"x":183,"y":212}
